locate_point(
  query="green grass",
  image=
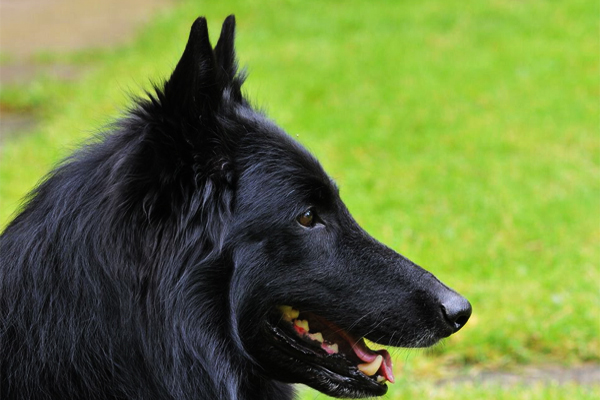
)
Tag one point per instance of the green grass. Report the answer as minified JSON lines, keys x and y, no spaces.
{"x":464,"y":135}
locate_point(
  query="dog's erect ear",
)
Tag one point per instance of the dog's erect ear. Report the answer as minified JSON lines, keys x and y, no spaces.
{"x":185,"y":147}
{"x":225,"y":51}
{"x":226,"y":60}
{"x":202,"y":75}
{"x":194,"y":85}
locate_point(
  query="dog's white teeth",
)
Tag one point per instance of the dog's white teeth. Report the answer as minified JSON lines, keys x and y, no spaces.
{"x":380,"y":379}
{"x":303,"y":329}
{"x":301,"y":324}
{"x":316,"y":336}
{"x":289,"y":313}
{"x":330,"y":348}
{"x":371,"y":368}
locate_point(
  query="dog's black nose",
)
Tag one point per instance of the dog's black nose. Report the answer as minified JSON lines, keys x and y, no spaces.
{"x":456,"y":310}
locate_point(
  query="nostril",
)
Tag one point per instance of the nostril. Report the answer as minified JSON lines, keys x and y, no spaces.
{"x":457,"y":312}
{"x":461,"y":321}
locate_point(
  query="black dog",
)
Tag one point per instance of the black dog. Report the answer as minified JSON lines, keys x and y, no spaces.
{"x":198,"y":252}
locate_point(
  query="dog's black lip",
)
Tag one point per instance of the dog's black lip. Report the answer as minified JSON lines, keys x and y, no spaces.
{"x":336,"y":367}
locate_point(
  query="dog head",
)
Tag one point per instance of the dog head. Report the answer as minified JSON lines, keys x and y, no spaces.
{"x":306,"y":284}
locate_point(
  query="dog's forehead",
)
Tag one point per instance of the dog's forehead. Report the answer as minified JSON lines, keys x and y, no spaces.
{"x":272,"y":158}
{"x":303,"y":169}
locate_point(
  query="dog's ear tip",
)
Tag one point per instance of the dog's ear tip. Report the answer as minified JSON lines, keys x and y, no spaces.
{"x":225,"y":49}
{"x":228,"y":30}
{"x":199,"y":38}
{"x":229,"y":24}
{"x":230,"y":20}
{"x":200,"y":25}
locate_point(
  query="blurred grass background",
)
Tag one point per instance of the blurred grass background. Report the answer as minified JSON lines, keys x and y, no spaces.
{"x":464,"y":135}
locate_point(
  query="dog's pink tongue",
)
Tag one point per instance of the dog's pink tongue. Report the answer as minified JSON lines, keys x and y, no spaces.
{"x":364,"y":353}
{"x":367,"y":355}
{"x":386,"y":365}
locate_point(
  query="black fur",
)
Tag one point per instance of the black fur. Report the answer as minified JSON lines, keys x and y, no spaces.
{"x":150,"y":265}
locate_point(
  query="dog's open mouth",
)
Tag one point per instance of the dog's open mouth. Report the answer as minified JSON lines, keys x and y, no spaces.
{"x":322,"y":344}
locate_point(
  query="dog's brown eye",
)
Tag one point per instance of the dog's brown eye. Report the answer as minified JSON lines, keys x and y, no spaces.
{"x":307,"y":218}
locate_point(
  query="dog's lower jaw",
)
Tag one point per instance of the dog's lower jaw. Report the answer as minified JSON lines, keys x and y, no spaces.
{"x":335,"y":389}
{"x":288,"y":361}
